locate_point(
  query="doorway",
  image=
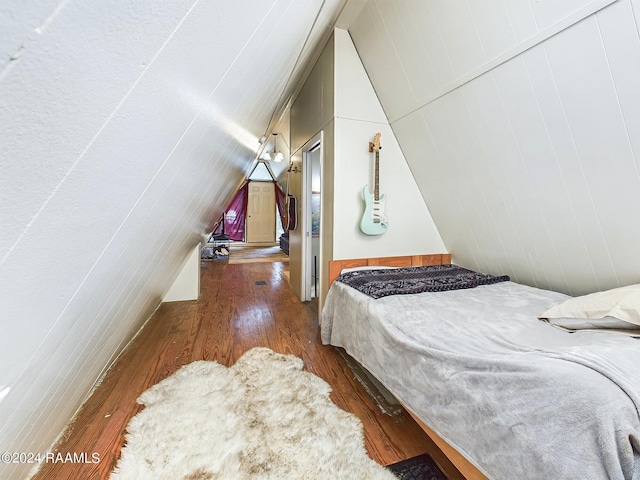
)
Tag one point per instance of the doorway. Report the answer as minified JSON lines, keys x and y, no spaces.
{"x":311,"y":218}
{"x":261,"y":214}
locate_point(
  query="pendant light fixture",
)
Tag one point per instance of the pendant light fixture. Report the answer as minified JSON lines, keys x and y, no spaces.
{"x":277,"y":156}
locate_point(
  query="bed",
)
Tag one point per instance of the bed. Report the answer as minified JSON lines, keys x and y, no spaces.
{"x":504,"y":394}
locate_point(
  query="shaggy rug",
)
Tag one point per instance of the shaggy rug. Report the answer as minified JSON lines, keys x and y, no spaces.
{"x":263,"y":418}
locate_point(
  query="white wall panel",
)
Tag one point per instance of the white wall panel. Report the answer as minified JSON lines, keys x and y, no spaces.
{"x":315,"y":104}
{"x":411,"y":230}
{"x":460,"y":36}
{"x":410,"y":44}
{"x":501,"y":154}
{"x":476,"y":161}
{"x":522,"y":19}
{"x":43,"y":110}
{"x":354,"y":98}
{"x":462,"y":40}
{"x":391,"y":70}
{"x":621,"y":43}
{"x":425,"y":29}
{"x":572,"y":214}
{"x":534,"y":167}
{"x":461,"y":215}
{"x":424,"y":159}
{"x":124,"y":130}
{"x":534,"y":133}
{"x":548,"y":13}
{"x":494,"y":26}
{"x":599,"y":132}
{"x":358,"y":117}
{"x":348,"y":166}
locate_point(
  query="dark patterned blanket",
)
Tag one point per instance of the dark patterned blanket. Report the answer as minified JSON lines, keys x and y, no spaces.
{"x":402,"y":281}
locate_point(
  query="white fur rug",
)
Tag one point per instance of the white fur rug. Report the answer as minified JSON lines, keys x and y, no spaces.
{"x":263,"y":418}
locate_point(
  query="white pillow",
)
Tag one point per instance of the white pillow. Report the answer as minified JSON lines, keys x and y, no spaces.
{"x":622,"y":303}
{"x":606,"y":323}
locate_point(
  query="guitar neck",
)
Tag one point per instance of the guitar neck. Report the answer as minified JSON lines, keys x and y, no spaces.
{"x":376,"y":187}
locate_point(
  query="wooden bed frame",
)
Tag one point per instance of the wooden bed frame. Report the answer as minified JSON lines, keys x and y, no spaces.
{"x":335,"y":266}
{"x":464,"y":466}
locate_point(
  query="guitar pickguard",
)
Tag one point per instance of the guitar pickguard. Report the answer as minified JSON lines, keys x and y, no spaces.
{"x":374,"y":220}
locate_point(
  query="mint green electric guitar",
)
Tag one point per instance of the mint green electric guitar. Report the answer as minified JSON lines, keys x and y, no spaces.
{"x":374,"y":221}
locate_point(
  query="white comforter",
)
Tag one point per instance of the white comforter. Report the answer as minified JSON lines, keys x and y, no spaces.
{"x":518,"y":397}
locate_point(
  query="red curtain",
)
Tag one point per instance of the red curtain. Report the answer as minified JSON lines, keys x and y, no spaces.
{"x":235,"y":215}
{"x":281,"y":203}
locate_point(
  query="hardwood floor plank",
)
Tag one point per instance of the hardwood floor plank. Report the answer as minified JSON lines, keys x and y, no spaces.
{"x":235,"y":312}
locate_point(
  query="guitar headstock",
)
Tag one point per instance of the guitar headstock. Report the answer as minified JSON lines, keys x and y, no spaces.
{"x":375,"y":145}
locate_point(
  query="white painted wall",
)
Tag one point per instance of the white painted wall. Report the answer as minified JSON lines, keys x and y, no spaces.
{"x":312,"y":112}
{"x":124,"y":129}
{"x":186,"y":286}
{"x":359,"y":116}
{"x":521,"y":124}
{"x":338,"y":100}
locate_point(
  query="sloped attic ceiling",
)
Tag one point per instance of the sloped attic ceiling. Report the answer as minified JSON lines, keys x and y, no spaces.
{"x":521,"y":123}
{"x":124,"y":128}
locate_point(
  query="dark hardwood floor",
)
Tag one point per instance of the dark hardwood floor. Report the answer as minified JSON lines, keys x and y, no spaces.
{"x":235,"y":312}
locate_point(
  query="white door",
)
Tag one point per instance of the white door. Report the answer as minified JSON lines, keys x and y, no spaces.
{"x":261,"y":213}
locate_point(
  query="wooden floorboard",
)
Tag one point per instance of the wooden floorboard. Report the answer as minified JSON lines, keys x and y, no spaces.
{"x":232,"y":315}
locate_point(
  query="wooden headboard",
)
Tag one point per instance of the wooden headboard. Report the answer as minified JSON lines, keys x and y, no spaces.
{"x":335,"y":266}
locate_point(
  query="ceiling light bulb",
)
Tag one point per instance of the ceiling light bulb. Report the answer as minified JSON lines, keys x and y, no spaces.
{"x":279,"y":156}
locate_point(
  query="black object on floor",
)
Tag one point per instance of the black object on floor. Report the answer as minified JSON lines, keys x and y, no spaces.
{"x":214,"y":253}
{"x":421,"y":467}
{"x":206,"y":253}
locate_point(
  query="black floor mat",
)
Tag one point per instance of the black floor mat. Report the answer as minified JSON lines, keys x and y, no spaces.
{"x":421,"y":467}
